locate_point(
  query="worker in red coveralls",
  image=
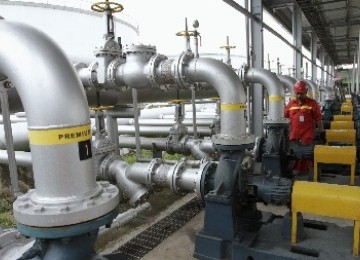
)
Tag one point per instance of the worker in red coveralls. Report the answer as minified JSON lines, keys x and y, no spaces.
{"x":304,"y":114}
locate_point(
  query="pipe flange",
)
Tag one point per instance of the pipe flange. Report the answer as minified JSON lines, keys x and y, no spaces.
{"x":32,"y":209}
{"x":199,"y":175}
{"x":153,"y":165}
{"x":111,"y":72}
{"x":174,"y":175}
{"x":104,"y":173}
{"x":279,"y":122}
{"x":233,"y":140}
{"x":148,"y":50}
{"x":178,"y":69}
{"x":154,"y":63}
{"x":90,"y":76}
{"x":241,"y":73}
{"x":77,"y":67}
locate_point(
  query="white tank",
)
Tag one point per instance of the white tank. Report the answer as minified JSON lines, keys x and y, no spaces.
{"x":76,"y":30}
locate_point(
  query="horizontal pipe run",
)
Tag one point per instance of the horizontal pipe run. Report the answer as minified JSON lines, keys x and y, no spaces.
{"x":159,"y":130}
{"x":165,"y":122}
{"x":179,"y":177}
{"x":146,"y":143}
{"x":22,"y":158}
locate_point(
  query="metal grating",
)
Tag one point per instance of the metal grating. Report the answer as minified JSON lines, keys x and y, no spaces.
{"x":150,"y":238}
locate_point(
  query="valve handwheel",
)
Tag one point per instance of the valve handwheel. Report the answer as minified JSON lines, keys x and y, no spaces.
{"x":107,"y":6}
{"x":185,"y":33}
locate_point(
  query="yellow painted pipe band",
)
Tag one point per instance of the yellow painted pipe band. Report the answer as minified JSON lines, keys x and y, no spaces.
{"x":276,"y":98}
{"x":55,"y":136}
{"x":233,"y":107}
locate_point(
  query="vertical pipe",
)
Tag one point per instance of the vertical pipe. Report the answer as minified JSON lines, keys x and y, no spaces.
{"x":297,"y":40}
{"x":187,"y":37}
{"x":194,"y":111}
{"x":353,"y":74}
{"x":112,"y":129}
{"x":9,"y":140}
{"x":247,"y":23}
{"x":136,"y":122}
{"x":358,"y":62}
{"x":257,"y":41}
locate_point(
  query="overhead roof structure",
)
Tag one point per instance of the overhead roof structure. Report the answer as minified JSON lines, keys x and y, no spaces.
{"x":335,"y":22}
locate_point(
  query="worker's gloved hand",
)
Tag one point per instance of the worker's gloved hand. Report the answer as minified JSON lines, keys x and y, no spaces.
{"x":319,"y":137}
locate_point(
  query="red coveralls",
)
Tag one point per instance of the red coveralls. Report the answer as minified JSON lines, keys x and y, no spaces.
{"x":303,"y":118}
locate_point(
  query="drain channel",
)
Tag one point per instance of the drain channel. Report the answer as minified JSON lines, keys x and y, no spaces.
{"x":150,"y":238}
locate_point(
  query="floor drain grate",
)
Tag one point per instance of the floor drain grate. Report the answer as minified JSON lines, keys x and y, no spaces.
{"x":150,"y":238}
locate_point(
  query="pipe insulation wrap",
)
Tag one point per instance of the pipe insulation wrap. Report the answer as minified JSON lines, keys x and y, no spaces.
{"x":229,"y":88}
{"x":274,"y":88}
{"x":59,"y":126}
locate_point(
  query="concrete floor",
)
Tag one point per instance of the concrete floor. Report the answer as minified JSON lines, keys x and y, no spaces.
{"x":333,"y":244}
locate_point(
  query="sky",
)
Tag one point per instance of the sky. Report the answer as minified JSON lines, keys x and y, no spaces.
{"x":159,"y":20}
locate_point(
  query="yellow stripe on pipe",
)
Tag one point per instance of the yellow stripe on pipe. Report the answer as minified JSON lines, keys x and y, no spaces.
{"x":276,"y":98}
{"x":55,"y":136}
{"x":233,"y":107}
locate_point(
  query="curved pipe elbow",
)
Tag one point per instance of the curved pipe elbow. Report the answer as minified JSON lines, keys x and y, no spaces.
{"x":55,"y":104}
{"x":56,"y":83}
{"x":314,"y":89}
{"x":288,"y":83}
{"x":229,"y":88}
{"x":274,"y":88}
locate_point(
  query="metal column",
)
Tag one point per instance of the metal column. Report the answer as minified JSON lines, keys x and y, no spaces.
{"x":313,"y":56}
{"x":322,"y":64}
{"x":257,"y":43}
{"x":297,"y":40}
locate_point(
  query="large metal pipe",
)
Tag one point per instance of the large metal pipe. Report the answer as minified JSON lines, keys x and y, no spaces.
{"x":288,"y":83}
{"x":186,"y":146}
{"x":114,"y":168}
{"x":314,"y":89}
{"x":144,"y":69}
{"x":274,"y":88}
{"x":57,"y":111}
{"x":179,"y":177}
{"x":22,"y":158}
{"x":20,"y":135}
{"x":160,"y":130}
{"x":230,"y":90}
{"x":146,"y":143}
{"x":165,"y":122}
